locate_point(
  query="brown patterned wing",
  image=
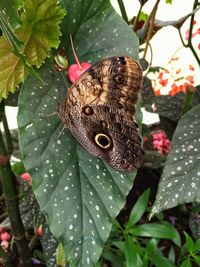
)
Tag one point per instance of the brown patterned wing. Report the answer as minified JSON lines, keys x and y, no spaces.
{"x":99,"y":111}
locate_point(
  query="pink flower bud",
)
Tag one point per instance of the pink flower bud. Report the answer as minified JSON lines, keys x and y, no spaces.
{"x":39,"y":230}
{"x":5,"y":244}
{"x":5,"y":236}
{"x":26,"y":177}
{"x":75,"y":70}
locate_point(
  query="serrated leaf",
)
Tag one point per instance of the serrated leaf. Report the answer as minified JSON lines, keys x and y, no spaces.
{"x":180,"y":179}
{"x":12,"y":69}
{"x":40,"y":29}
{"x":39,"y":32}
{"x":79,"y":194}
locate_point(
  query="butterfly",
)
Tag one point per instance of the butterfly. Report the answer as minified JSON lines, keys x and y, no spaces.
{"x":99,"y":111}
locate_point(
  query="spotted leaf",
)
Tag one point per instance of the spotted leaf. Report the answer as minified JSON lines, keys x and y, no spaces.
{"x":79,"y":194}
{"x":180,"y":180}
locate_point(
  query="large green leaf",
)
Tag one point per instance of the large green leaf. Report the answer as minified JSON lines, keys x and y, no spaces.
{"x":80,"y":195}
{"x":98,"y":32}
{"x":181,"y":176}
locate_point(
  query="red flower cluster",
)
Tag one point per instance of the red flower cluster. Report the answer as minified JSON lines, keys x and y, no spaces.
{"x":160,"y":142}
{"x":4,"y":238}
{"x":172,"y":81}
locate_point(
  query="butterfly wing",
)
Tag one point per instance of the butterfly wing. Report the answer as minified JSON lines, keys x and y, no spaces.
{"x":99,"y":111}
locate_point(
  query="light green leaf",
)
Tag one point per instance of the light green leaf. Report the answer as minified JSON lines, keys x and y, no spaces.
{"x":180,"y":180}
{"x":12,"y":69}
{"x":159,"y":260}
{"x":40,"y":29}
{"x":60,"y":255}
{"x":39,"y":32}
{"x":186,"y":263}
{"x":189,"y":243}
{"x":155,"y":230}
{"x":132,"y":257}
{"x":139,"y":208}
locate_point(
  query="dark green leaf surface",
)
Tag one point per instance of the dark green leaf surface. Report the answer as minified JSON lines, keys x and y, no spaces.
{"x":180,"y":179}
{"x":80,"y":195}
{"x":170,"y":106}
{"x":97,"y":31}
{"x":132,"y":257}
{"x":164,"y":230}
{"x":159,"y":260}
{"x":139,"y":208}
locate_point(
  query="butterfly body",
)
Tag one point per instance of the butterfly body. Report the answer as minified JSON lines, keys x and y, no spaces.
{"x":99,"y":111}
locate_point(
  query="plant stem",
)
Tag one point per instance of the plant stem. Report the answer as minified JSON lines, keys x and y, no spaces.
{"x":189,"y":44}
{"x":123,"y":10}
{"x":150,"y":23}
{"x":74,"y":52}
{"x":11,"y":201}
{"x":7,"y":134}
{"x":190,"y":34}
{"x":136,"y":19}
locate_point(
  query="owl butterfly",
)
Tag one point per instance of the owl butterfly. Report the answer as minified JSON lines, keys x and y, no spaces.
{"x":99,"y":111}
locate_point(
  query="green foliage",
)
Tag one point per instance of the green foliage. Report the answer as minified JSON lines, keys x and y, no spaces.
{"x":38,"y":31}
{"x":60,"y":255}
{"x":126,"y":246}
{"x":79,"y":194}
{"x":180,"y":179}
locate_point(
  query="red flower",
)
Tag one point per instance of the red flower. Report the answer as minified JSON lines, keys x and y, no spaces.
{"x":190,"y":79}
{"x":75,"y":70}
{"x":26,"y":177}
{"x":191,"y":67}
{"x":174,"y":89}
{"x":5,"y":244}
{"x":160,"y":142}
{"x":5,"y":236}
{"x":160,"y":75}
{"x":199,"y":46}
{"x":39,"y":230}
{"x":163,"y":82}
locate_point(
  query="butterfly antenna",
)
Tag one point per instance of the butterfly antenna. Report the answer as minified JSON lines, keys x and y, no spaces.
{"x":61,"y":132}
{"x":49,"y":115}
